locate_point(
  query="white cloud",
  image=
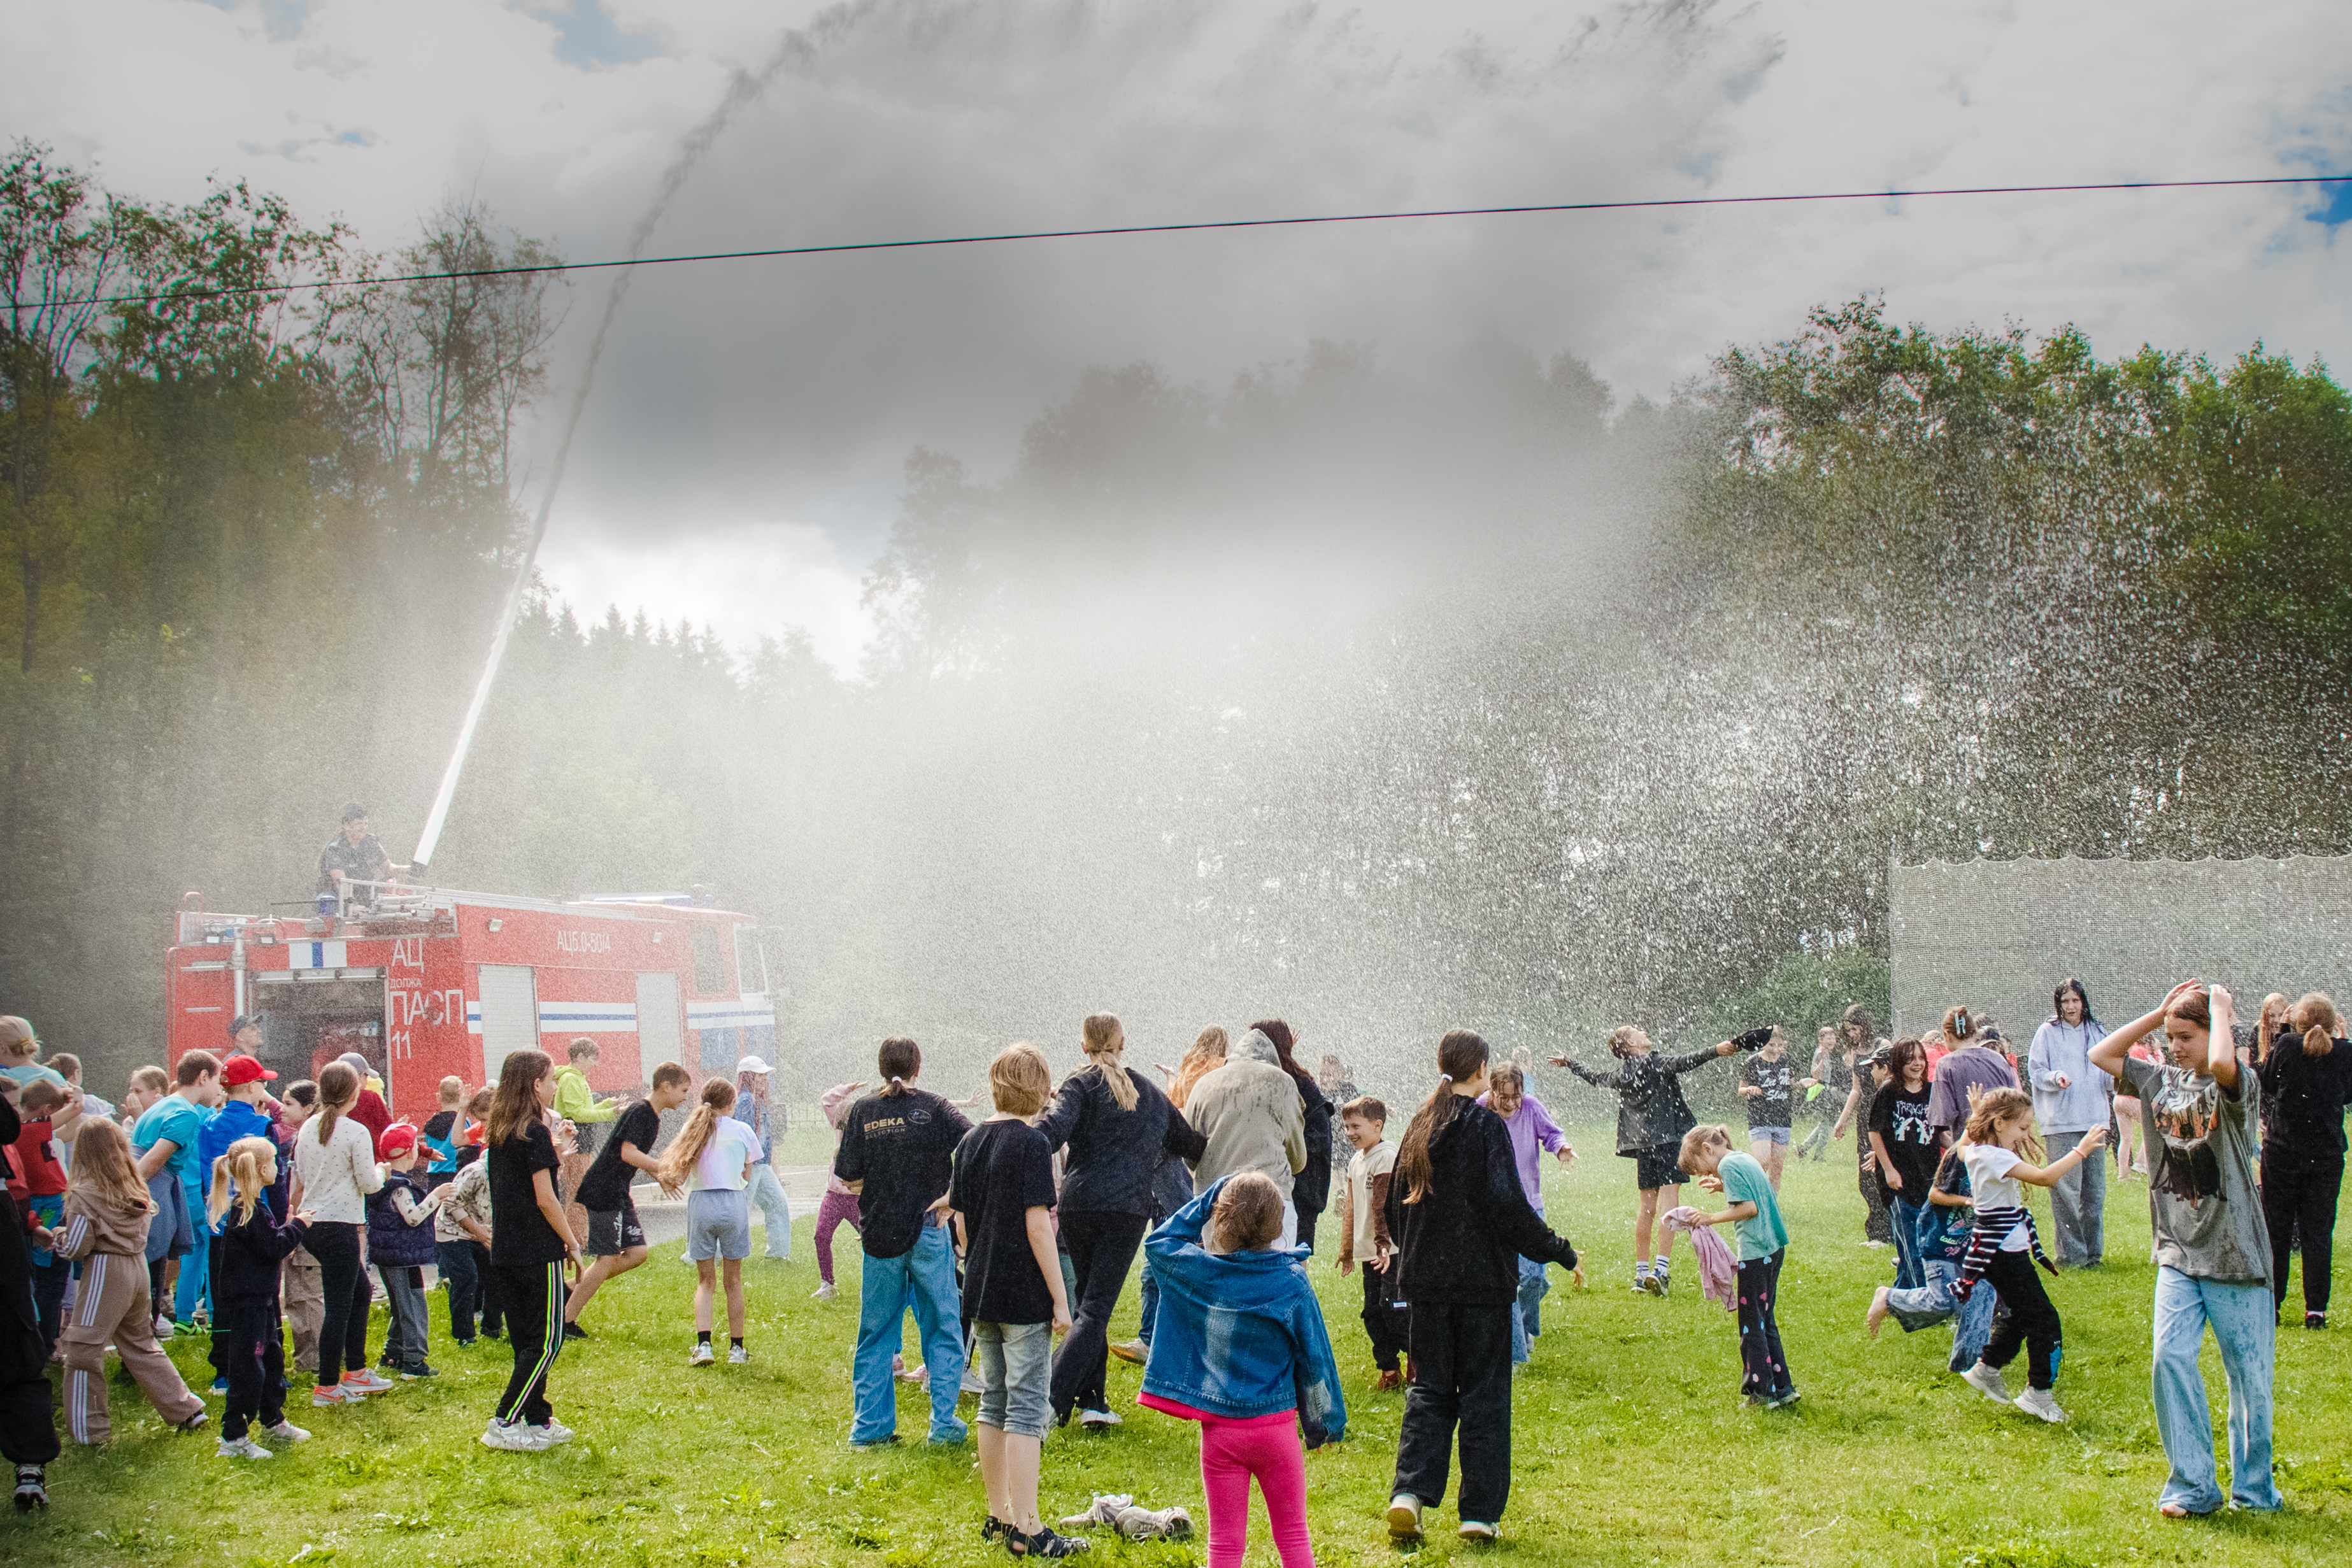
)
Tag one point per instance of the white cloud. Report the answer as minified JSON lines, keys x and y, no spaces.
{"x":793,"y":388}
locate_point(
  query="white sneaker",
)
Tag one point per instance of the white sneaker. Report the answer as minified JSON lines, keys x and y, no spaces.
{"x":1475,"y":1530}
{"x":325,"y":1395}
{"x":1404,"y":1517}
{"x":824,"y":1292}
{"x":514,"y":1436}
{"x":917,"y":1373}
{"x":1987,"y":1380}
{"x":557,"y":1432}
{"x":289,"y":1431}
{"x":972,"y":1381}
{"x":164,"y":1327}
{"x":2042,"y":1403}
{"x":369,"y":1381}
{"x":703,"y":1354}
{"x":737,"y":1356}
{"x":1098,"y":1418}
{"x":243,"y":1449}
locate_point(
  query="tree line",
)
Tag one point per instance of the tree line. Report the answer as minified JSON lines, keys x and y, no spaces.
{"x":1384,"y":699}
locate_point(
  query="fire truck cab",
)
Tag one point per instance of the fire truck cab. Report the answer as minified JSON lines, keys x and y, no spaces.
{"x":431,"y":982}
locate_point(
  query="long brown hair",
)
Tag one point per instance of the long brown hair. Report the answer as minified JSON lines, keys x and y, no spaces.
{"x":1101,"y":1037}
{"x":1204,"y":1056}
{"x":1284,"y":1044}
{"x":2315,"y":1014}
{"x":103,"y":1167}
{"x":1460,"y":1055}
{"x":243,"y":1163}
{"x":515,"y":1104}
{"x":338,"y":1090}
{"x":718,"y":1099}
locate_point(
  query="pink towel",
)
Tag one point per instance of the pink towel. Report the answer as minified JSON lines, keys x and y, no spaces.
{"x":1718,"y":1271}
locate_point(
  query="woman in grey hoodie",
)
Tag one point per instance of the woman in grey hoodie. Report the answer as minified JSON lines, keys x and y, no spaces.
{"x":1249,"y":1114}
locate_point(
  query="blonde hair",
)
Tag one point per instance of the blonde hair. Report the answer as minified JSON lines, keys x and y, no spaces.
{"x":718,"y":1099}
{"x":102,"y":1166}
{"x":1620,"y":1041}
{"x":2315,"y":1014}
{"x":244,"y":1164}
{"x":16,"y":1036}
{"x":1997,"y":1106}
{"x":1248,"y":1215}
{"x":453,"y":1089}
{"x":1202,"y":1058}
{"x":1705,"y":1136}
{"x":1019,"y":1080}
{"x":1102,"y":1038}
{"x":154,"y":1079}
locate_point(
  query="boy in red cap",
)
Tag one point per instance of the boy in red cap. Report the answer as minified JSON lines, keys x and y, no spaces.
{"x":400,"y":1243}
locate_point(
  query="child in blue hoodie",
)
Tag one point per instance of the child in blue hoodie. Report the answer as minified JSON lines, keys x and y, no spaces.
{"x":1239,"y":1347}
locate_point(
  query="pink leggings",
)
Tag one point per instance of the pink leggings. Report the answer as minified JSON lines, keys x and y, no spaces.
{"x":1231,"y":1453}
{"x":836,"y":1208}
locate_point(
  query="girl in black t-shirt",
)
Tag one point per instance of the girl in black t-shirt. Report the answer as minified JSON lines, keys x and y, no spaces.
{"x":530,"y":1244}
{"x":1904,"y":1148}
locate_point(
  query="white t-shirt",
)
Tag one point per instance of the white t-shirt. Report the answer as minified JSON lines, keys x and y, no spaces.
{"x":720,"y":1166}
{"x":1993,"y":1187}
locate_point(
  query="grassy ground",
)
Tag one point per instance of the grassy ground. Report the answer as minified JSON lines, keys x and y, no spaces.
{"x":1630,"y":1443}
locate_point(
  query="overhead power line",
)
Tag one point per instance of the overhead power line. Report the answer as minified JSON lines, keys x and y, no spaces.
{"x":1012,"y":237}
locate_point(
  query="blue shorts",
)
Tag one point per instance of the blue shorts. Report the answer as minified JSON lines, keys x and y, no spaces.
{"x":1768,"y":1135}
{"x":718,"y":1224}
{"x":1016,"y":1371}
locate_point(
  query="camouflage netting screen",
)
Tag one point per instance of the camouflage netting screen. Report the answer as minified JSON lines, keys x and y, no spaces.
{"x":1998,"y":935}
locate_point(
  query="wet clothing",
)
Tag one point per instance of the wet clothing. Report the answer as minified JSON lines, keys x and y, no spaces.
{"x":1975,"y":1067}
{"x":1253,"y":1117}
{"x":1462,"y":1242}
{"x":1114,"y":1154}
{"x":900,"y":1149}
{"x":1651,"y":1110}
{"x":2201,"y":1191}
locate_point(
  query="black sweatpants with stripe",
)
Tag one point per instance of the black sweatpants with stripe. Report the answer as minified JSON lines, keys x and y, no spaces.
{"x":534,"y":1302}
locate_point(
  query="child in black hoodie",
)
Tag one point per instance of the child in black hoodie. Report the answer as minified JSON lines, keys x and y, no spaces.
{"x":254,"y":1245}
{"x":1462,"y":1222}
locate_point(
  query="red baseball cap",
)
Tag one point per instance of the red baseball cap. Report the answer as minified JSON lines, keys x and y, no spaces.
{"x":398,"y":1139}
{"x":241,"y":1069}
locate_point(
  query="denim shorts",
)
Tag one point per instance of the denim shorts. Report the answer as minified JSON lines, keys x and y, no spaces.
{"x":1016,"y":1363}
{"x":718,"y":1224}
{"x":1768,"y":1135}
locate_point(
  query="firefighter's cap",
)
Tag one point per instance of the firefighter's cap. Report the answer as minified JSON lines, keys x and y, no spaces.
{"x":241,"y":1069}
{"x":242,"y":1022}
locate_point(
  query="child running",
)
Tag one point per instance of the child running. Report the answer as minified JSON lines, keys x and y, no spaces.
{"x":2004,"y":1246}
{"x":1003,"y":1196}
{"x":2212,"y":1245}
{"x":530,"y":1243}
{"x":1946,"y":1223}
{"x":839,"y":1205}
{"x":1466,"y":1223}
{"x":617,"y":1242}
{"x":1239,"y":1347}
{"x":898,"y":1149}
{"x":1364,"y":1232}
{"x":107,"y":1212}
{"x":1753,"y":1215}
{"x":1651,"y":1116}
{"x":254,"y":1245}
{"x":715,"y":1152}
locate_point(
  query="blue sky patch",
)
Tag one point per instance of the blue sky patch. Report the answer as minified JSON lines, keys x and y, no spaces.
{"x":586,"y":35}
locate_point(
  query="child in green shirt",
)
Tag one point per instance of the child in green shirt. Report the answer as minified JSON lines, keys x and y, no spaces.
{"x":1753,"y":1215}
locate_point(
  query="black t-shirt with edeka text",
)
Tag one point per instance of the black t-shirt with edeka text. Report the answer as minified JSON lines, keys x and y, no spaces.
{"x":605,"y":1187}
{"x":1002,"y":1170}
{"x":1776,"y":1106}
{"x":901,"y":1147}
{"x":519,"y":1235}
{"x":1900,"y":1117}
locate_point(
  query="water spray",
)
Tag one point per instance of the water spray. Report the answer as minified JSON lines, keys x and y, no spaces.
{"x":745,"y":88}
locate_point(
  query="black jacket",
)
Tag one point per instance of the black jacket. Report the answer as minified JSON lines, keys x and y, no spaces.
{"x":1651,"y":1109}
{"x":2304,"y":1097}
{"x":1461,"y":1243}
{"x":1113,"y":1154}
{"x":250,"y":1253}
{"x":1310,"y":1190}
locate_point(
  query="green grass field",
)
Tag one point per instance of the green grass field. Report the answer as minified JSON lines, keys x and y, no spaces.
{"x":1631,"y":1442}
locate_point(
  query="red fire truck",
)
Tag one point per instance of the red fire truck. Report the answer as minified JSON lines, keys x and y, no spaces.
{"x":429,"y":982}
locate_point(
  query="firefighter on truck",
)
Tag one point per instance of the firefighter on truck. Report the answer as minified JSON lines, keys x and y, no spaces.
{"x":353,"y":854}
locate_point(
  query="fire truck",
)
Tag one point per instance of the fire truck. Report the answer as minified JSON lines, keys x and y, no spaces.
{"x":428,"y":983}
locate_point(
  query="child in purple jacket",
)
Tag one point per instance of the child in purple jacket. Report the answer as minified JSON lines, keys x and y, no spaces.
{"x":1533,"y":1135}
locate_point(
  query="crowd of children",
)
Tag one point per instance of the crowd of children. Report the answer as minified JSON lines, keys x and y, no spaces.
{"x":218,"y":1200}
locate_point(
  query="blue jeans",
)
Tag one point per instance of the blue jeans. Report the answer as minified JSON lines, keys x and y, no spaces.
{"x":1934,"y":1301}
{"x":1150,"y":1305}
{"x":1526,"y":1317}
{"x":195,"y":1269}
{"x":2245,"y":1323}
{"x":768,"y":1197}
{"x":923,"y":1278}
{"x":1909,"y":1217}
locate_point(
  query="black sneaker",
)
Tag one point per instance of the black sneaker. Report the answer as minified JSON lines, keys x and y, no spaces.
{"x":1046,"y":1542}
{"x":32,"y":1489}
{"x":2314,"y":1319}
{"x":575,"y":1331}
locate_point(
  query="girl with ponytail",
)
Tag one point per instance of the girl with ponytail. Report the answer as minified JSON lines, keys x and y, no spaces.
{"x":335,"y":1172}
{"x":530,"y":1244}
{"x":713,"y":1157}
{"x":254,"y":1247}
{"x":2306,"y":1079}
{"x":1463,"y":1223}
{"x":1117,"y":1127}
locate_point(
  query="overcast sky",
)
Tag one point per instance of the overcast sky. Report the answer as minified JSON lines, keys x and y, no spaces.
{"x":742,"y":454}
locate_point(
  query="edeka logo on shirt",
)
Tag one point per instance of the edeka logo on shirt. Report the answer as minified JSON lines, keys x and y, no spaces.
{"x":920,"y":1118}
{"x":886,"y":1124}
